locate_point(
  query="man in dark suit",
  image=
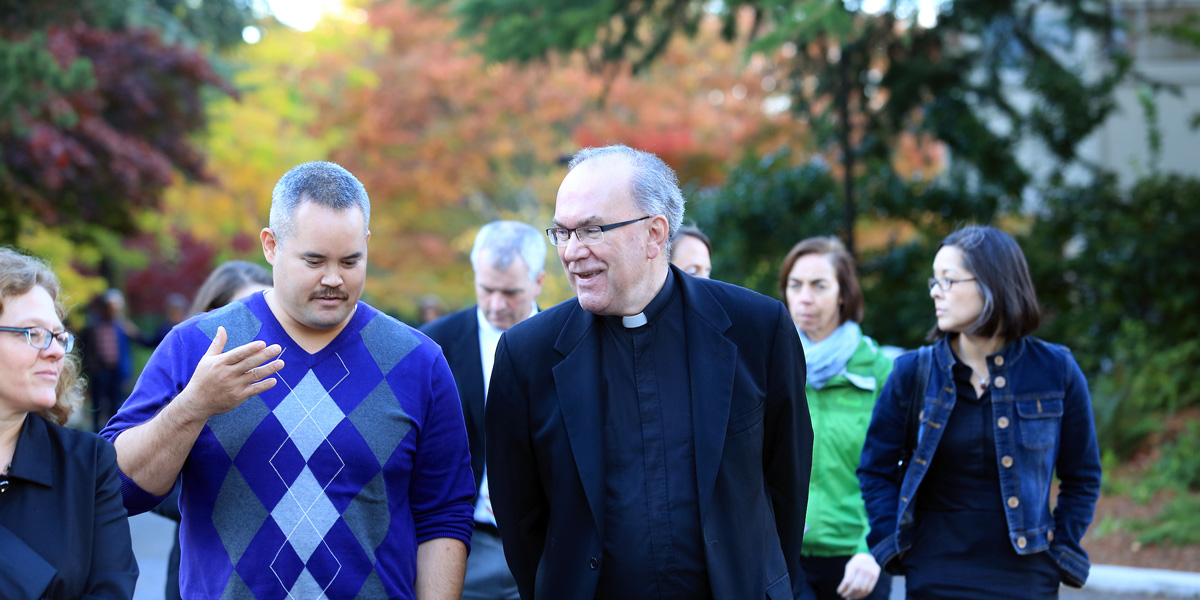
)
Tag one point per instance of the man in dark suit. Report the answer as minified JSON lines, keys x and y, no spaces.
{"x":509,"y":261}
{"x":649,"y":438}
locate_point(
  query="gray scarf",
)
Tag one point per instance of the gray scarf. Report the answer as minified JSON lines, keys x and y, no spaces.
{"x":829,"y":356}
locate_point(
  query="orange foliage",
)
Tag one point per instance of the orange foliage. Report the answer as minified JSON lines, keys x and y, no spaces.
{"x":447,"y":142}
{"x":287,"y":81}
{"x":700,"y":108}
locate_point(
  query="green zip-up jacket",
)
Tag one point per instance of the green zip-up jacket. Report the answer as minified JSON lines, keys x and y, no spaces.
{"x":836,"y":522}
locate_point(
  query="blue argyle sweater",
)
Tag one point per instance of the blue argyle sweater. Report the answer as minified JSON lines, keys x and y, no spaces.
{"x":323,"y":485}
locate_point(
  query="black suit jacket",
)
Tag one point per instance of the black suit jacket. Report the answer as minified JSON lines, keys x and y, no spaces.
{"x":458,"y":335}
{"x":64,"y":532}
{"x":753,"y":441}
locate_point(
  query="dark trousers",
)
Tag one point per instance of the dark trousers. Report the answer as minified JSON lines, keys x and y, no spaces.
{"x":107,"y":396}
{"x":825,"y":573}
{"x":966,"y":555}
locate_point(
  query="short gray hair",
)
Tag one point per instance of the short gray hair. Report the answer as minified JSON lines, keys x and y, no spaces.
{"x":501,"y":241}
{"x":322,"y":183}
{"x":654,"y":186}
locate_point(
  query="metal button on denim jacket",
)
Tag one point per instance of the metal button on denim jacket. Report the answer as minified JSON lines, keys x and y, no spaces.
{"x":1043,"y":424}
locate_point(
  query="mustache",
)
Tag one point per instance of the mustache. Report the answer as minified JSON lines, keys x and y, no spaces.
{"x":329,"y":293}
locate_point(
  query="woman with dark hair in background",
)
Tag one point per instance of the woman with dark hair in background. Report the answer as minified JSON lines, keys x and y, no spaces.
{"x":846,"y":370}
{"x":63,"y":528}
{"x":231,"y":281}
{"x":692,"y":252}
{"x":1000,"y":413}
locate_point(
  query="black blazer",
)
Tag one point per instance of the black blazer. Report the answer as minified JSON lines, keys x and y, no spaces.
{"x":458,"y":335}
{"x":64,"y":532}
{"x":753,"y":440}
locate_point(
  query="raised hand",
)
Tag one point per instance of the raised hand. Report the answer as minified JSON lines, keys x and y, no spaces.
{"x":223,"y":380}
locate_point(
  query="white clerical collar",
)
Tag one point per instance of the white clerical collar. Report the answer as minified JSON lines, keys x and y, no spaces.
{"x":635,"y":321}
{"x":656,"y":306}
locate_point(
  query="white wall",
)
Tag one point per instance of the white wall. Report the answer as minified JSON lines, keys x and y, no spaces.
{"x":1121,"y":144}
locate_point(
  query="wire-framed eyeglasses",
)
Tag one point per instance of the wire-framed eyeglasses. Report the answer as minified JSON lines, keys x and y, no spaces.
{"x":41,"y":338}
{"x":588,"y":235}
{"x":945,"y":283}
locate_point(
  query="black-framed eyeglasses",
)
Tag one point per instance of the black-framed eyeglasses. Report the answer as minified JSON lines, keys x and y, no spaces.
{"x":588,"y":235}
{"x":945,"y":283}
{"x":40,"y":337}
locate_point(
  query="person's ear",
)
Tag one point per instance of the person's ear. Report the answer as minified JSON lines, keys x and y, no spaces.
{"x":659,"y":234}
{"x":270,"y":245}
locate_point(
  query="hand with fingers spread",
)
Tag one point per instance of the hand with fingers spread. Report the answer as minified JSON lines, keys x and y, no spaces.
{"x":223,"y":380}
{"x":861,"y":574}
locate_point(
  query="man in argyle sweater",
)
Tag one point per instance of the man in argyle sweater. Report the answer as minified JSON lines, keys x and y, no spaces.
{"x":324,"y":454}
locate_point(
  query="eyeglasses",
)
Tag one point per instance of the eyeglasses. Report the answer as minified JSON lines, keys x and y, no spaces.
{"x":945,"y":283}
{"x":40,"y":337}
{"x":591,"y":234}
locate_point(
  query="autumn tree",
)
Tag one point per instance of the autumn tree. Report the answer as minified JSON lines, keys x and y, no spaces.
{"x":447,"y":141}
{"x":102,"y":101}
{"x":289,"y":81}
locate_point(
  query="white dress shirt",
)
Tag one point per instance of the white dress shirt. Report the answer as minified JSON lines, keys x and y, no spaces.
{"x":489,"y":338}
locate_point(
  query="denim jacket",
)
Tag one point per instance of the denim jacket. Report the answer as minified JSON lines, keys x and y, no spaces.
{"x":1043,"y":424}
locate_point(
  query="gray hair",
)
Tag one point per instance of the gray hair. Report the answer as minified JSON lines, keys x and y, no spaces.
{"x":654,"y":186}
{"x":501,"y":241}
{"x":322,"y":183}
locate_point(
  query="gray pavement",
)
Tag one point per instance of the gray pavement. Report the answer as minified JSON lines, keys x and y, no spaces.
{"x":1130,"y":582}
{"x":152,"y":539}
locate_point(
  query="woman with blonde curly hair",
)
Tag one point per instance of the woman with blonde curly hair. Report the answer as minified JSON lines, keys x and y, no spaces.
{"x":63,"y":528}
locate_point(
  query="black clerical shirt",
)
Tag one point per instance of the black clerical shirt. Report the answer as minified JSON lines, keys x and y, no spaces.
{"x":653,"y":543}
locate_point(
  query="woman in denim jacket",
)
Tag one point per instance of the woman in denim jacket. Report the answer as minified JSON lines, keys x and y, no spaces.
{"x":1001,"y":413}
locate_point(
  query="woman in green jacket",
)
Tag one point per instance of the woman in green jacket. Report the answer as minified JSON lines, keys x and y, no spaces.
{"x":846,"y":370}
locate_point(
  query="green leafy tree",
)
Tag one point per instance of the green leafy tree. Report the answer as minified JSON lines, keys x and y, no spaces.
{"x":864,"y":80}
{"x":1115,"y":280}
{"x":1102,"y":257}
{"x":760,"y":198}
{"x":768,"y":204}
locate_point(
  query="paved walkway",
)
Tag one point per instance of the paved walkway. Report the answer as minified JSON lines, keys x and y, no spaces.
{"x":152,"y":538}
